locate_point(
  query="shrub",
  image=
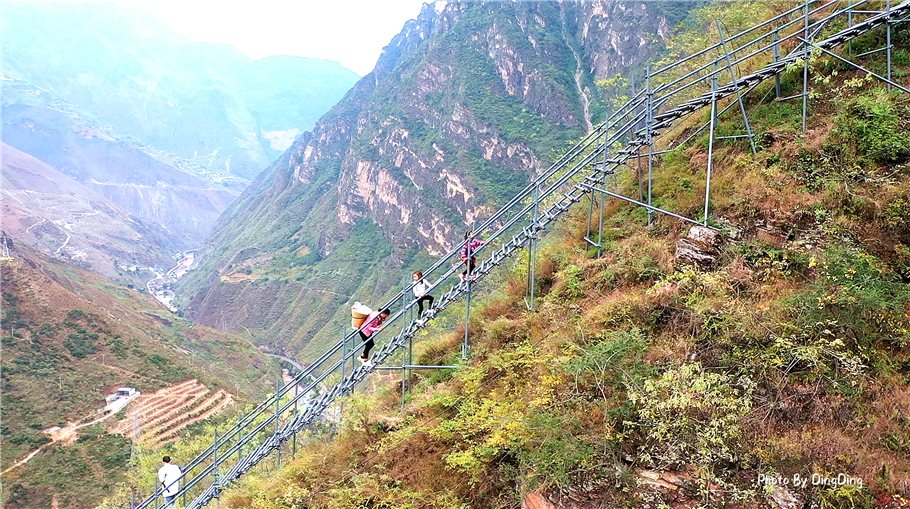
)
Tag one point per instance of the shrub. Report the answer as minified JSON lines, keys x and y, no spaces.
{"x":81,"y":345}
{"x":897,"y":214}
{"x":862,"y":293}
{"x":873,"y":125}
{"x":689,"y":415}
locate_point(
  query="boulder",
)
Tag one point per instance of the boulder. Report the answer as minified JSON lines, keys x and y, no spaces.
{"x":701,"y":247}
{"x":784,"y":499}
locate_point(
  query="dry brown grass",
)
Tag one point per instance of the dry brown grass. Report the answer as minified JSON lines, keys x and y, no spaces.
{"x":440,"y":348}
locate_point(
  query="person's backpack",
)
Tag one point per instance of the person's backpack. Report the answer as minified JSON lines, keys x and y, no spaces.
{"x":359,"y":314}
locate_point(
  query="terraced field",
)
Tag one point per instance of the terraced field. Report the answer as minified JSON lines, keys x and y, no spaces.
{"x":158,"y":417}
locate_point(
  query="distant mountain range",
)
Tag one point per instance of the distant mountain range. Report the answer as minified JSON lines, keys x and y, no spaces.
{"x":168,"y":131}
{"x":46,"y":209}
{"x":206,"y":103}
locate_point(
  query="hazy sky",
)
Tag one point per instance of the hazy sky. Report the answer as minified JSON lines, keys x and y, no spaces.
{"x":352,"y":32}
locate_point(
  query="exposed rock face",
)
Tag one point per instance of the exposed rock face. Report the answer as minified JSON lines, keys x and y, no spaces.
{"x":535,"y":500}
{"x":785,"y":499}
{"x":613,"y":50}
{"x":420,"y":131}
{"x":700,"y":247}
{"x":463,"y":108}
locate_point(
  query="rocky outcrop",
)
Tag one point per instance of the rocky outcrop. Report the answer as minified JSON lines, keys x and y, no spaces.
{"x":784,"y":498}
{"x":701,"y":247}
{"x":536,"y":500}
{"x":610,"y":46}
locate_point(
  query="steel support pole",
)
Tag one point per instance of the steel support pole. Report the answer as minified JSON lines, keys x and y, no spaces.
{"x":806,"y":56}
{"x":278,"y":385}
{"x":641,"y":192}
{"x":850,"y":25}
{"x":467,"y":321}
{"x":711,"y":145}
{"x":739,"y":96}
{"x":354,"y":358}
{"x":409,"y":313}
{"x":776,"y":58}
{"x":465,"y":347}
{"x":296,"y":413}
{"x":648,"y":138}
{"x":600,"y":222}
{"x":344,"y":351}
{"x":888,"y":42}
{"x":410,"y":361}
{"x":239,"y":448}
{"x":532,"y":253}
{"x":590,"y":217}
{"x":217,"y":463}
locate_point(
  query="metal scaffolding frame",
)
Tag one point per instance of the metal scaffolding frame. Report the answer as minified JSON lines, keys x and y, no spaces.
{"x":671,"y":94}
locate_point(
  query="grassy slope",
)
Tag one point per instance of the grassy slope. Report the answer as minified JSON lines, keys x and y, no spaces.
{"x":69,"y":339}
{"x":791,"y":355}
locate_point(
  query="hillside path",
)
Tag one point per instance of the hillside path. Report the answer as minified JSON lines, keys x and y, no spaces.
{"x":63,"y":434}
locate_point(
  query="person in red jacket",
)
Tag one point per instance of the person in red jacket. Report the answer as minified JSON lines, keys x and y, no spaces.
{"x":467,"y":253}
{"x":370,"y":325}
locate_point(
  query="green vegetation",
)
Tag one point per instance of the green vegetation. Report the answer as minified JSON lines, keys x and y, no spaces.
{"x":86,"y":470}
{"x":873,"y":125}
{"x":59,"y":362}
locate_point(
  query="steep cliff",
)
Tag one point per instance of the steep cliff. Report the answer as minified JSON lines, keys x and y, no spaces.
{"x":464,"y":106}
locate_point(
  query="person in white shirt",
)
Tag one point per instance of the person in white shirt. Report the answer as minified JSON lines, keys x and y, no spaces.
{"x":169,"y":477}
{"x":421,"y":290}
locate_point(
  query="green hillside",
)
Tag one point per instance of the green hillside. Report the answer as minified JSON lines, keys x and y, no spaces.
{"x":71,"y":338}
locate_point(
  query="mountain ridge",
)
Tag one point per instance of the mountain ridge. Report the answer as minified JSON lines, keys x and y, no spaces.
{"x":193,"y":95}
{"x":464,"y":106}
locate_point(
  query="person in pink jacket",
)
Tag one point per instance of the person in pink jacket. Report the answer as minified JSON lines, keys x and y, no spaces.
{"x":468,"y":249}
{"x":370,"y":325}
